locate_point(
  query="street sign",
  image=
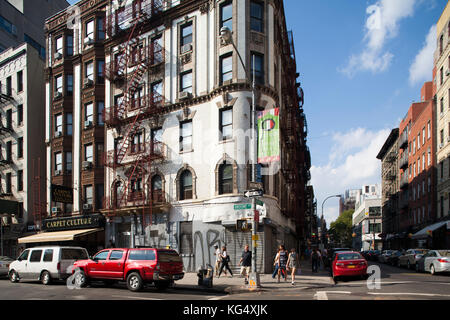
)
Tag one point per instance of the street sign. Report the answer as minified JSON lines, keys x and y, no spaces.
{"x":259,"y":203}
{"x":244,"y":206}
{"x":253,"y":193}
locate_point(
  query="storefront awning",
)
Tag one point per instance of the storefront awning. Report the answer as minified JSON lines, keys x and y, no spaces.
{"x":66,"y":235}
{"x":424,"y":233}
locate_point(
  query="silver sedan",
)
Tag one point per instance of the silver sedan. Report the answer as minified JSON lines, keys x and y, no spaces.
{"x":4,"y":265}
{"x":434,"y":261}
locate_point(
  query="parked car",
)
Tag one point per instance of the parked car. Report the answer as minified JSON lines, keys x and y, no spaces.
{"x":4,"y":265}
{"x":134,"y":266}
{"x":385,"y":254}
{"x":434,"y":261}
{"x":410,"y":257}
{"x":45,"y":263}
{"x":393,"y":258}
{"x":348,"y":264}
{"x":373,"y":255}
{"x":332,"y":252}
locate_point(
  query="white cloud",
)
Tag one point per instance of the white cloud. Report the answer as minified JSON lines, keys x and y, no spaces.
{"x":352,"y":163}
{"x":381,"y":25}
{"x":421,"y":68}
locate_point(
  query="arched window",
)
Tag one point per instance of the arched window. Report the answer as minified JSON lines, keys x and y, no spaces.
{"x":157,"y":195}
{"x":225,"y":178}
{"x":186,"y":185}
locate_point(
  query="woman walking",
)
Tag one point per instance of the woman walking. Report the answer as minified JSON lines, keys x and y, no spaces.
{"x":225,"y":260}
{"x":282,"y":260}
{"x":292,"y":264}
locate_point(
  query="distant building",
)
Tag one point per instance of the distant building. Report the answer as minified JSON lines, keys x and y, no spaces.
{"x":366,"y":219}
{"x":23,"y":21}
{"x":348,"y":200}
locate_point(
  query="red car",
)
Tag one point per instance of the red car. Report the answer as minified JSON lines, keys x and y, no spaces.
{"x":348,"y":264}
{"x":135,"y":266}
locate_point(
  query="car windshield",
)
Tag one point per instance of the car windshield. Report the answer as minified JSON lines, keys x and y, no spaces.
{"x":168,"y":256}
{"x":420,"y":251}
{"x":349,"y":256}
{"x":444,"y":253}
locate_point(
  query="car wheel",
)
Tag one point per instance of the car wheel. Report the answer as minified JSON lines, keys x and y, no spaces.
{"x":432,"y":270}
{"x":80,"y":280}
{"x":46,"y":279}
{"x":134,"y":282}
{"x":162,"y":285}
{"x":13,"y":276}
{"x":408,"y":265}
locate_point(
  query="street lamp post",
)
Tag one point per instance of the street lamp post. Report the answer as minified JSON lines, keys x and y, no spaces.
{"x":226,"y":36}
{"x":333,"y":196}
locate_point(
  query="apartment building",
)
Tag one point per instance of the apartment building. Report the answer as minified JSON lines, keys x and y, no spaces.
{"x":74,"y":127}
{"x":178,"y":120}
{"x":417,"y":167}
{"x":21,"y":140}
{"x":389,"y":187}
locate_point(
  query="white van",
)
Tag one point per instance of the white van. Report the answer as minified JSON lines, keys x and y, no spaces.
{"x":46,"y":263}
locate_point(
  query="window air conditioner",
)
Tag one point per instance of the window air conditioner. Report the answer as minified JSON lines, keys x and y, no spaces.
{"x":88,"y":124}
{"x":58,"y":94}
{"x":88,"y":41}
{"x":186,"y":48}
{"x":58,"y":134}
{"x":58,"y":172}
{"x":58,"y":56}
{"x":56,"y":210}
{"x":88,"y":82}
{"x":185,"y":95}
{"x":87,"y":206}
{"x":87,"y":165}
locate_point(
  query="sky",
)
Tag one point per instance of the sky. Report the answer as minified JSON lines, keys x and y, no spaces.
{"x":361,"y":63}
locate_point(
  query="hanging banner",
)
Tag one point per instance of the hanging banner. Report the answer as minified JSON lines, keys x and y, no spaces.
{"x":268,"y":136}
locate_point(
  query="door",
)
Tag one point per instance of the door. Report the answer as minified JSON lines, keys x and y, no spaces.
{"x":431,"y":256}
{"x":114,"y":266}
{"x":20,"y":266}
{"x":97,"y":265}
{"x":34,"y":266}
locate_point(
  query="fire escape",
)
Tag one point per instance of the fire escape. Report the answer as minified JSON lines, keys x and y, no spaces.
{"x":132,"y":155}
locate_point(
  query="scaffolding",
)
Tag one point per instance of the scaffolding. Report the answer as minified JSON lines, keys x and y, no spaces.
{"x":127,"y":69}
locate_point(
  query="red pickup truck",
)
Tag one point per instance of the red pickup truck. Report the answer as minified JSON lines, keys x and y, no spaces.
{"x":135,"y":266}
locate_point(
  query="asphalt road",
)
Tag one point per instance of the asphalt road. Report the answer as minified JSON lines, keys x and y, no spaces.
{"x":395,"y":284}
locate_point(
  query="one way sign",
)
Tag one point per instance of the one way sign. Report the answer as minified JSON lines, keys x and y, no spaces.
{"x":253,"y":193}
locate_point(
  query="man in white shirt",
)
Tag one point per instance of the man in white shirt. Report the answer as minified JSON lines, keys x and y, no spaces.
{"x":218,"y":259}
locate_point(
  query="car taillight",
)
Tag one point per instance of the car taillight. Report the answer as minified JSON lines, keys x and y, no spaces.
{"x":442,"y":260}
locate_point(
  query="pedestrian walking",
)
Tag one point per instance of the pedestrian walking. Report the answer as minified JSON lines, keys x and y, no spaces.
{"x":319,"y":260}
{"x":282,"y":260}
{"x":225,"y":259}
{"x":246,"y":263}
{"x":275,"y":263}
{"x":292,"y":264}
{"x":217,"y":253}
{"x":314,"y":260}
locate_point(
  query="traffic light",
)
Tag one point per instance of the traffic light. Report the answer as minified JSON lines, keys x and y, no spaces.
{"x":243,"y":225}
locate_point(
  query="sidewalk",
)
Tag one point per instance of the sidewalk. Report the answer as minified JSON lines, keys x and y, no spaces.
{"x":235,"y":284}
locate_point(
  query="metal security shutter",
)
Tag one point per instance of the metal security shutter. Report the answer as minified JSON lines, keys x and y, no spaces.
{"x":235,"y":242}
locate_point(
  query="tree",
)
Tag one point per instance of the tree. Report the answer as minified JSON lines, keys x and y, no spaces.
{"x":341,"y":229}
